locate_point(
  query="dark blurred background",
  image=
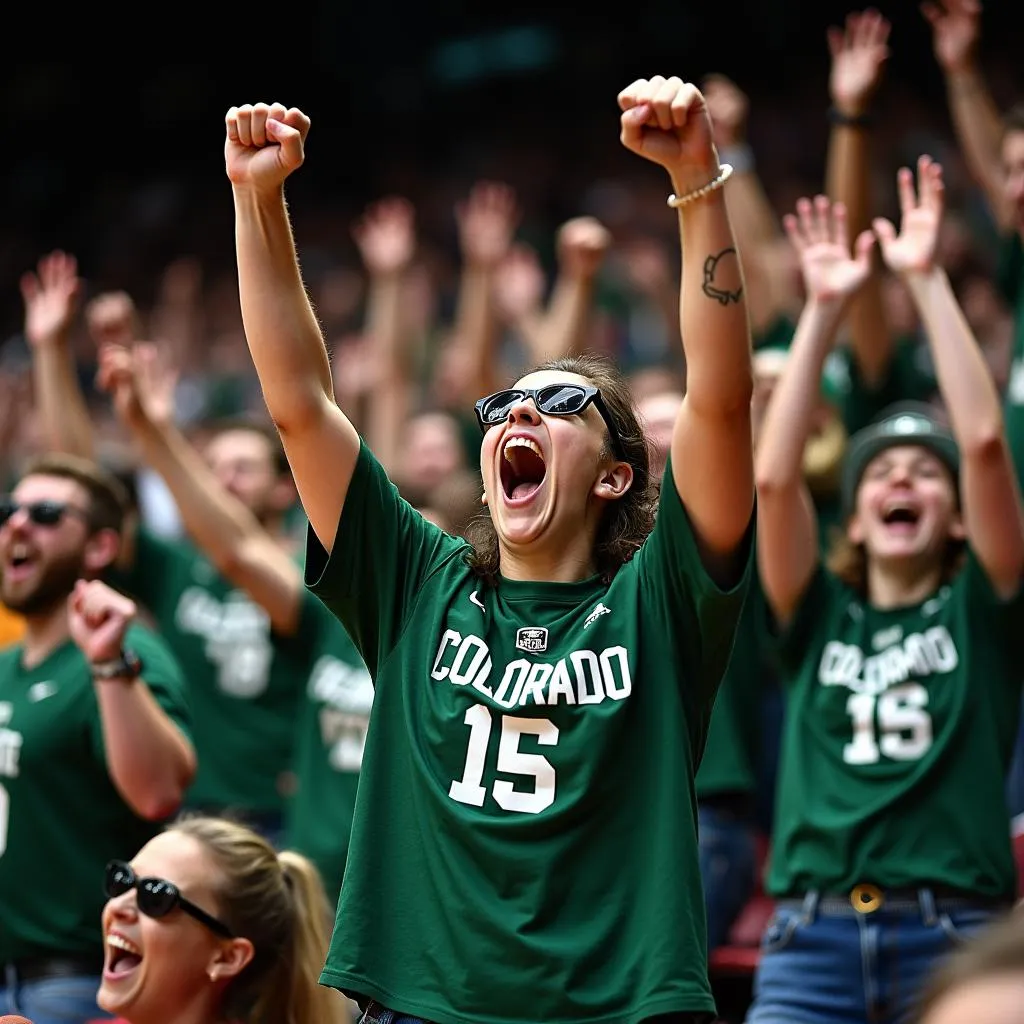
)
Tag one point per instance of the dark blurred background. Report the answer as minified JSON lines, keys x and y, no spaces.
{"x":117,"y":157}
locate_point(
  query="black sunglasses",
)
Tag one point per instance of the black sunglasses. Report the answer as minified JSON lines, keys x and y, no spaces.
{"x":156,"y":897}
{"x":553,"y":400}
{"x":42,"y":513}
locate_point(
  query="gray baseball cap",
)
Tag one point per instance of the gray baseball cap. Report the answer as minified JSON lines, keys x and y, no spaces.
{"x":904,"y":423}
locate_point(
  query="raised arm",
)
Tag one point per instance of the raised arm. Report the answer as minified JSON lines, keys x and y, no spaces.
{"x":787,"y":525}
{"x":666,"y":121}
{"x":991,"y":498}
{"x":386,"y":238}
{"x":51,"y":299}
{"x":956,"y":29}
{"x":858,"y":60}
{"x":219,"y":523}
{"x":264,"y":145}
{"x":149,"y":759}
{"x":581,"y":245}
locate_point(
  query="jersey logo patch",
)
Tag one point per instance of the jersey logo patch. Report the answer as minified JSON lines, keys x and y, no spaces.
{"x":40,"y":691}
{"x":596,"y":614}
{"x":532,"y":639}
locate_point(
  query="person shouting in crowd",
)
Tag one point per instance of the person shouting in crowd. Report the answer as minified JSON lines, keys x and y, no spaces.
{"x":900,"y":658}
{"x":241,"y":670}
{"x":524,"y":844}
{"x":94,"y":746}
{"x":333,"y":716}
{"x":208,"y":923}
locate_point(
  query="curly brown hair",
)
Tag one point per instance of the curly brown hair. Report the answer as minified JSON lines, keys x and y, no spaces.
{"x":626,"y":522}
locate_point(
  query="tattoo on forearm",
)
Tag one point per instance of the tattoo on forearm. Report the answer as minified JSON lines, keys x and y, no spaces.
{"x":723,"y":280}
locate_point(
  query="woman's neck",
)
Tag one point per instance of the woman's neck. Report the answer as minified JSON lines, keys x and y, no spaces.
{"x":901,"y":586}
{"x":550,"y":564}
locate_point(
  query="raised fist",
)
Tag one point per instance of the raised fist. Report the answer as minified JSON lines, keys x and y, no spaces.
{"x":582,"y":244}
{"x":727,"y":107}
{"x":98,"y":618}
{"x":264,"y":144}
{"x":665,"y":120}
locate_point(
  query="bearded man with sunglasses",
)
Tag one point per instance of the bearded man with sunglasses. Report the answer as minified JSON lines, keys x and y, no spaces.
{"x":94,"y":735}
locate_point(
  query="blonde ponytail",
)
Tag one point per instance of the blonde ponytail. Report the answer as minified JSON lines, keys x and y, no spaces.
{"x":278,"y":903}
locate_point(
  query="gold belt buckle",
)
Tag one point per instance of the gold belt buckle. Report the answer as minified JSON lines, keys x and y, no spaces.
{"x":866,"y":898}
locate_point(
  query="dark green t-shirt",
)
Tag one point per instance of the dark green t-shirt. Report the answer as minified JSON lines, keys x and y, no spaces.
{"x":245,"y":681}
{"x":524,"y":844}
{"x":1011,"y":283}
{"x":332,"y":725}
{"x":61,"y":819}
{"x":899,"y":731}
{"x":729,"y":765}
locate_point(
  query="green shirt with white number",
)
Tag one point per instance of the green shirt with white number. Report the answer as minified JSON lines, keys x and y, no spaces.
{"x":899,"y":731}
{"x":332,"y":723}
{"x":524,"y":844}
{"x":61,"y":819}
{"x":245,"y":681}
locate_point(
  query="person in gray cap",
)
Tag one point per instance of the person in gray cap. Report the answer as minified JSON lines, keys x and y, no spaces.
{"x":899,"y":655}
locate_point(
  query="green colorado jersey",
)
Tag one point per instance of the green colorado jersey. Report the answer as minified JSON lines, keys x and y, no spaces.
{"x":729,"y":765}
{"x":1011,"y":283}
{"x":61,"y":819}
{"x":899,"y":731}
{"x":245,"y":681}
{"x":524,"y":844}
{"x":332,"y":725}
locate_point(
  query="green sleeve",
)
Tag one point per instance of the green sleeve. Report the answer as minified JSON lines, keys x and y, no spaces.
{"x":700,"y":616}
{"x":162,"y":675}
{"x":1010,"y":269}
{"x":1002,"y":618}
{"x":383,"y":552}
{"x":155,"y":561}
{"x":790,"y":643}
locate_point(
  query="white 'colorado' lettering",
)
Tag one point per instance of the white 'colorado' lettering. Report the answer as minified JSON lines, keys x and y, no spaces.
{"x":582,"y":677}
{"x":917,"y":656}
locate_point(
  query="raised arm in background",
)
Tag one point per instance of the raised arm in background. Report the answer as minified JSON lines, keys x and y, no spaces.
{"x":51,"y":300}
{"x":787,"y":523}
{"x":758,"y":230}
{"x":263,"y":145}
{"x":142,"y":388}
{"x":149,"y":760}
{"x":581,"y":247}
{"x":487,"y":221}
{"x":858,"y":60}
{"x":992,"y":513}
{"x":666,"y":121}
{"x":956,"y":29}
{"x":386,"y":238}
{"x":519,"y":287}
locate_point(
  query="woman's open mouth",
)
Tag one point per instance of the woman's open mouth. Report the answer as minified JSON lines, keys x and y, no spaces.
{"x":123,"y":957}
{"x":522,"y":469}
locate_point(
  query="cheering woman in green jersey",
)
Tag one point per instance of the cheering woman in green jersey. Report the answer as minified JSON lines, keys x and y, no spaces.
{"x":524,"y":839}
{"x":901,"y":658}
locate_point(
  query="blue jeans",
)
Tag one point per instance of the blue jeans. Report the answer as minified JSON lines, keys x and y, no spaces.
{"x":52,"y":1000}
{"x":832,"y":965}
{"x":728,"y":861}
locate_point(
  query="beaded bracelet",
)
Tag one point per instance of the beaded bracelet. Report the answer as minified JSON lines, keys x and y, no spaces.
{"x":698,"y":193}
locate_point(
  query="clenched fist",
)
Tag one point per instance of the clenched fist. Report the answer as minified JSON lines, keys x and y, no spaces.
{"x":98,"y":618}
{"x":666,"y":121}
{"x":265,"y":143}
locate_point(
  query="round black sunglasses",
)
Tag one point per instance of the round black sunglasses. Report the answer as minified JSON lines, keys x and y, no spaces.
{"x":156,"y":897}
{"x":552,"y":400}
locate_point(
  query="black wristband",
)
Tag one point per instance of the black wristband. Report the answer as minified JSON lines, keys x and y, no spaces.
{"x":126,"y":668}
{"x":836,"y":116}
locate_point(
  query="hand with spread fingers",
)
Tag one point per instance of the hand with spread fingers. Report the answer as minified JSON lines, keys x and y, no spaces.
{"x":264,"y":143}
{"x":819,"y":234}
{"x":666,"y":121}
{"x":912,"y":251}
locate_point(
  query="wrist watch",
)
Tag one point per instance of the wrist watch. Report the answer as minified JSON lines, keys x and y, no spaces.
{"x":128,"y":667}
